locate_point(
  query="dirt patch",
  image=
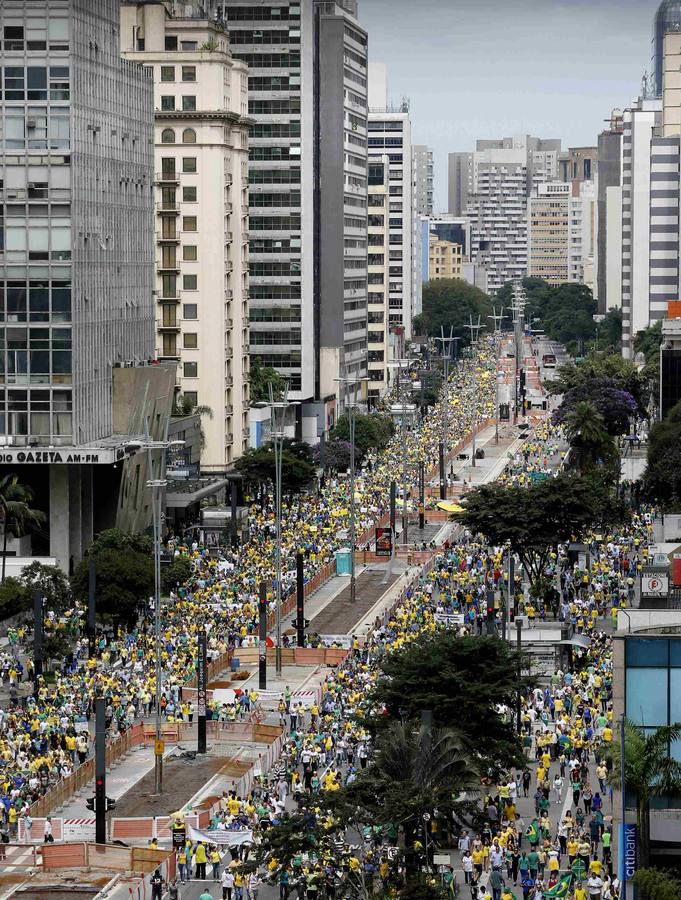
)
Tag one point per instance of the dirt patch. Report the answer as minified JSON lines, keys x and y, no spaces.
{"x":182,"y":778}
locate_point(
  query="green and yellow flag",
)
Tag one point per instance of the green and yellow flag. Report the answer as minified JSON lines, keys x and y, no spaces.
{"x":561,"y":888}
{"x":532,"y":832}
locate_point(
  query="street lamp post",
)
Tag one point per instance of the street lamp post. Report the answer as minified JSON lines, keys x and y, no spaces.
{"x":278,"y":408}
{"x":347,"y":383}
{"x":158,"y":486}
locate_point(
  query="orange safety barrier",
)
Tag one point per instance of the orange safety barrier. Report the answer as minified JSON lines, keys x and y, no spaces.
{"x":102,"y":856}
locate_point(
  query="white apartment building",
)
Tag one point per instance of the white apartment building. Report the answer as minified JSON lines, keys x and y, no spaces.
{"x":497,"y":183}
{"x":638,"y":222}
{"x":422,"y":161}
{"x":378,"y":268}
{"x":201,"y":151}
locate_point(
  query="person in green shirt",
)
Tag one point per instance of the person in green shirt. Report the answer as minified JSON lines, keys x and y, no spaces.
{"x":206,"y":895}
{"x":533,"y":859}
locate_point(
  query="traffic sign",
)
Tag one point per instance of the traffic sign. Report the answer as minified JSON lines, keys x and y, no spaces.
{"x":159,"y":747}
{"x":655,"y":584}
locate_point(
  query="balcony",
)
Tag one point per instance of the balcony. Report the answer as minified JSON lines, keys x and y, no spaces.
{"x":167,"y":238}
{"x":229,"y":237}
{"x":229,"y":381}
{"x":229,"y":410}
{"x":167,"y":208}
{"x":167,"y":178}
{"x":169,"y":326}
{"x":229,"y":438}
{"x":167,"y":268}
{"x":172,"y":298}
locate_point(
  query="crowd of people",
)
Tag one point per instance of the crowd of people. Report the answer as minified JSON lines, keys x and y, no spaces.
{"x":42,"y":737}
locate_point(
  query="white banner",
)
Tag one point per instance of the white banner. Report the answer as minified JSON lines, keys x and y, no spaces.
{"x":222,"y":838}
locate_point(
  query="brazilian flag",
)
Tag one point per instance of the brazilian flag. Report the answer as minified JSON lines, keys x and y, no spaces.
{"x":561,"y":888}
{"x":532,"y":832}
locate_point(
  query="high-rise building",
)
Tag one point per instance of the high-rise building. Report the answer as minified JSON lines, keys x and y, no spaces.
{"x":307,"y":62}
{"x":422,"y":161}
{"x":460,"y":181}
{"x":548,"y":233}
{"x":505,"y":173}
{"x":390,"y":135}
{"x":608,"y":290}
{"x":378,"y":267}
{"x":638,"y":221}
{"x":578,"y":164}
{"x":201,"y":163}
{"x":76,"y":270}
{"x":667,"y":18}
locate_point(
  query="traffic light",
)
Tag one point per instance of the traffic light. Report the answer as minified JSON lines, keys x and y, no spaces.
{"x":110,"y":804}
{"x":90,"y":803}
{"x":100,"y":794}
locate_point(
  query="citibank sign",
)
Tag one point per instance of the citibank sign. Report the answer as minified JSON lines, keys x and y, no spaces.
{"x":64,"y":456}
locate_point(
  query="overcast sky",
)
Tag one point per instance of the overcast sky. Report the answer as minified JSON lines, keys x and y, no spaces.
{"x":486,"y":68}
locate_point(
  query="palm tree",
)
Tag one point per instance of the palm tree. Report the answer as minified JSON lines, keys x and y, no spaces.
{"x":17,"y":514}
{"x":649,"y":772}
{"x":413,"y":773}
{"x":590,"y":443}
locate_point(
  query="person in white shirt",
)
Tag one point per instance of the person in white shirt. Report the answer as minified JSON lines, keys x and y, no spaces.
{"x":227,"y":882}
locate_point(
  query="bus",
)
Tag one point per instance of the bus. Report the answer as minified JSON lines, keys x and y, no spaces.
{"x":549,"y":360}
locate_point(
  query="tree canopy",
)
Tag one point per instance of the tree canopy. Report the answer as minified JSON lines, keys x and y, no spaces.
{"x":602,"y":368}
{"x":125,"y":574}
{"x":614,"y":404}
{"x":592,"y":449}
{"x":565,"y":311}
{"x":259,"y":379}
{"x":662,"y":477}
{"x":372,"y":432}
{"x":462,"y":680}
{"x":449,"y":303}
{"x":538,"y":517}
{"x":259,"y":466}
{"x":657,"y":884}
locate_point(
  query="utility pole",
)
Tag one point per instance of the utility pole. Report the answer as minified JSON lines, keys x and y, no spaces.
{"x":347,"y":383}
{"x":91,"y":605}
{"x":475,"y":331}
{"x":446,"y":342}
{"x":279,"y":408}
{"x":497,"y":318}
{"x":202,"y":690}
{"x":38,"y":628}
{"x":262,"y":643}
{"x":100,"y":770}
{"x":300,"y":599}
{"x":519,"y":647}
{"x":518,"y":310}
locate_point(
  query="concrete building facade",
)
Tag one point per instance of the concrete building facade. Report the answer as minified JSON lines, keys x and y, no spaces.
{"x":76,"y":270}
{"x":609,"y":200}
{"x":548,"y":240}
{"x":445,"y":259}
{"x":307,"y":64}
{"x":640,"y":122}
{"x":201,"y":163}
{"x":424,"y":172}
{"x":390,"y":135}
{"x":379,"y":276}
{"x":459,"y":181}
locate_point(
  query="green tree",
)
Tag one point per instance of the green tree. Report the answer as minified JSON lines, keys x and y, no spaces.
{"x":591,"y":447}
{"x":578,"y":376}
{"x":259,"y":379}
{"x":463,"y":681}
{"x":449,"y":303}
{"x":17,"y":513}
{"x":372,"y":432}
{"x":662,"y":477}
{"x":15,"y":597}
{"x":52,"y":584}
{"x":657,"y":884}
{"x":56,"y":647}
{"x":648,"y":343}
{"x":649,"y":773}
{"x":414,"y":776}
{"x":536,"y":518}
{"x":258,"y":467}
{"x":565,"y":311}
{"x":125,"y":574}
{"x":176,"y":573}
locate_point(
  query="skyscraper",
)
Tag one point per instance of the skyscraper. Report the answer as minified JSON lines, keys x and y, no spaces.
{"x":201,"y":163}
{"x":667,"y":18}
{"x":307,"y":62}
{"x":422,"y":162}
{"x":505,"y":172}
{"x":609,"y":198}
{"x":460,"y":181}
{"x":76,"y":269}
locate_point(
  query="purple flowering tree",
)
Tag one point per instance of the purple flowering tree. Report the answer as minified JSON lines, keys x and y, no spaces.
{"x":615,"y":405}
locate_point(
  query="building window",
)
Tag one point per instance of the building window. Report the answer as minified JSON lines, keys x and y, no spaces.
{"x":189,"y":282}
{"x":189,"y":223}
{"x":188,"y":103}
{"x":190,"y":311}
{"x":189,"y":45}
{"x":188,"y":73}
{"x":190,"y":253}
{"x":171,"y":42}
{"x":189,"y":193}
{"x":189,"y":164}
{"x":167,"y":73}
{"x":167,"y":136}
{"x":168,"y":102}
{"x":189,"y":136}
{"x":190,"y":341}
{"x":191,"y":370}
{"x":14,"y":37}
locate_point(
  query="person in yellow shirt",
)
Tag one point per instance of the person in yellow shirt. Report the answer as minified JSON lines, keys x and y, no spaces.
{"x":580,"y":893}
